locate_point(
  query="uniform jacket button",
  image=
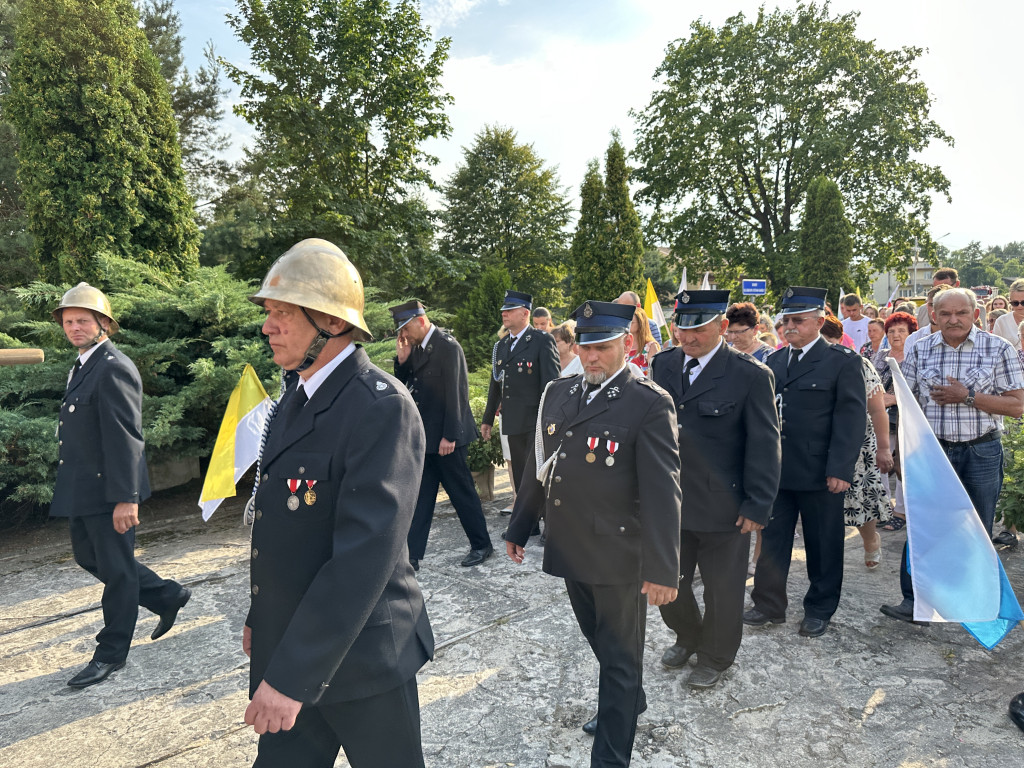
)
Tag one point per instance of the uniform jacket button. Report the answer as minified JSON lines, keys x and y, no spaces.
{"x":569,"y":433}
{"x":558,"y":478}
{"x":259,"y":514}
{"x":622,"y":529}
{"x":558,"y":502}
{"x":61,"y":461}
{"x":561,"y":455}
{"x":265,"y":477}
{"x":255,"y":553}
{"x":302,"y":470}
{"x":71,"y":409}
{"x":255,"y":589}
{"x":99,"y":474}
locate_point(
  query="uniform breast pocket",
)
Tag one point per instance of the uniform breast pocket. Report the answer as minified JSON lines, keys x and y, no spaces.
{"x":604,"y":441}
{"x":307,"y":478}
{"x":814,"y":386}
{"x":713,"y":408}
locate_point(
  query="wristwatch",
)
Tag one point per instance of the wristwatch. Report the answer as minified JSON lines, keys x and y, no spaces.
{"x":969,"y":400}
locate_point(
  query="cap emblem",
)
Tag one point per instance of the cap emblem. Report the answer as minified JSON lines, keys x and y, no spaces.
{"x":588,"y":311}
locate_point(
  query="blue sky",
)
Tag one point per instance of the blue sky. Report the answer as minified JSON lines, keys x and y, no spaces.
{"x":564,"y":73}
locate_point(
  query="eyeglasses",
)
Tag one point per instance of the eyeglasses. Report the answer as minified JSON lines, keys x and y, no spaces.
{"x":1017,"y":303}
{"x":737,"y":331}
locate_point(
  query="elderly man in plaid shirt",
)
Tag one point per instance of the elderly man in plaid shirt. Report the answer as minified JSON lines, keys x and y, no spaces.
{"x":966,"y":380}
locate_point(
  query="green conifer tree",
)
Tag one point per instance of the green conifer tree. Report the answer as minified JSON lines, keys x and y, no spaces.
{"x":625,"y":239}
{"x":607,"y":248}
{"x":100,"y":163}
{"x":479,"y":316}
{"x":826,"y":240}
{"x":589,"y":280}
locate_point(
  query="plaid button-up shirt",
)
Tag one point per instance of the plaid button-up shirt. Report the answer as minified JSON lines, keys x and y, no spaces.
{"x":983,"y":361}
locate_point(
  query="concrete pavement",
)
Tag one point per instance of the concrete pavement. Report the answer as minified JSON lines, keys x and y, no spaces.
{"x":513,"y":679}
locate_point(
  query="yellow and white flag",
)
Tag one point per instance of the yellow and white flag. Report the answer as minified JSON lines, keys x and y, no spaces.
{"x":652,"y":308}
{"x":238,"y":442}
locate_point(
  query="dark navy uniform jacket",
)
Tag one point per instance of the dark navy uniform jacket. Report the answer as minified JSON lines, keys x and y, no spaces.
{"x":336,"y":613}
{"x":605,"y":524}
{"x":823,"y":415}
{"x":728,"y":438}
{"x":102,"y":454}
{"x":438,"y":380}
{"x":524,"y":373}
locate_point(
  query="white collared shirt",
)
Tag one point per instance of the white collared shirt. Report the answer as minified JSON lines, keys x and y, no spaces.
{"x":312,"y":384}
{"x":426,"y":337}
{"x":702,"y":362}
{"x":83,"y":357}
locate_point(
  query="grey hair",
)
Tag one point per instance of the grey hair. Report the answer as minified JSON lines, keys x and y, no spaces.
{"x":1017,"y":285}
{"x":966,"y":294}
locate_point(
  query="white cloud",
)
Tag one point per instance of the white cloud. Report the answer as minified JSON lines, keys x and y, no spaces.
{"x":444,"y":13}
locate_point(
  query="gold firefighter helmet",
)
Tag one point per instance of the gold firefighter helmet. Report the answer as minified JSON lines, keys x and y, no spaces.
{"x":84,"y":296}
{"x":316,"y":274}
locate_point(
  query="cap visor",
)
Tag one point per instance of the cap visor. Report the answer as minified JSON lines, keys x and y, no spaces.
{"x":598,"y":336}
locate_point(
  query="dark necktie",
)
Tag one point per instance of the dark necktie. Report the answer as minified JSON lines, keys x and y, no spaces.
{"x":75,"y":370}
{"x":296,"y":400}
{"x":794,"y":358}
{"x":692,"y":363}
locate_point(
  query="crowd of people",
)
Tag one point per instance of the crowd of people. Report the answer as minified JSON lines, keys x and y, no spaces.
{"x":645,"y":458}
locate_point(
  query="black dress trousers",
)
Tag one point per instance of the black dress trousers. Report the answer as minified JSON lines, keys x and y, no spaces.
{"x":453,"y":473}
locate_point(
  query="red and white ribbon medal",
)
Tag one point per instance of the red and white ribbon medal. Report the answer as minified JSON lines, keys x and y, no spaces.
{"x":310,"y":496}
{"x":592,"y":445}
{"x":293,"y":500}
{"x":612,"y":448}
{"x":529,"y":367}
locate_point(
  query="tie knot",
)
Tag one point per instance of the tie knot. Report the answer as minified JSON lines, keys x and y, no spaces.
{"x":692,"y":363}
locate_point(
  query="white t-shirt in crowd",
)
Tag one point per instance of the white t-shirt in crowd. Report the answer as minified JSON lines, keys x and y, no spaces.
{"x":857,"y":330}
{"x":1006,"y":327}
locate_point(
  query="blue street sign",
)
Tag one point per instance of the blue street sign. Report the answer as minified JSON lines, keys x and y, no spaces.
{"x":755,"y":287}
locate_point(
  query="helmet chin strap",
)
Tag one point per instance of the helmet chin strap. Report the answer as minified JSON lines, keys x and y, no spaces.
{"x":319,"y":341}
{"x":100,"y":335}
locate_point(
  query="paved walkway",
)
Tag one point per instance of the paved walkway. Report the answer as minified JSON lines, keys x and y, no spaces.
{"x":513,"y":679}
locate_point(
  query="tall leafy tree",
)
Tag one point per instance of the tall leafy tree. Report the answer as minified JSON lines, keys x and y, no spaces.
{"x":17,"y":266}
{"x":100,"y":164}
{"x":196,"y":99}
{"x":343,"y":94}
{"x":504,"y":207}
{"x":826,"y":240}
{"x":748,"y":114}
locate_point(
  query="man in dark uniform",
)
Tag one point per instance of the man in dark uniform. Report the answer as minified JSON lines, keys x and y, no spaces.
{"x":605,"y":443}
{"x":337,"y":628}
{"x":823,"y":415}
{"x":430,"y":362}
{"x":102,"y":478}
{"x":522,"y":364}
{"x":730,"y":449}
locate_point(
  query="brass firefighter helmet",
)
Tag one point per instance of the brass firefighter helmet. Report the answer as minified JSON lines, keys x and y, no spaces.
{"x":316,"y":274}
{"x":84,"y":296}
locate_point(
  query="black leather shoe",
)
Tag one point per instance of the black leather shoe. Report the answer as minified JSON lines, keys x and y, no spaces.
{"x":1006,"y":539}
{"x":754,"y":618}
{"x":676,"y":657}
{"x":414,"y":563}
{"x":1017,"y":710}
{"x":505,"y":511}
{"x":94,"y":672}
{"x":167,"y":619}
{"x":812,"y":627}
{"x":904,"y":612}
{"x":704,"y":676}
{"x":477,"y":556}
{"x":590,"y":727}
